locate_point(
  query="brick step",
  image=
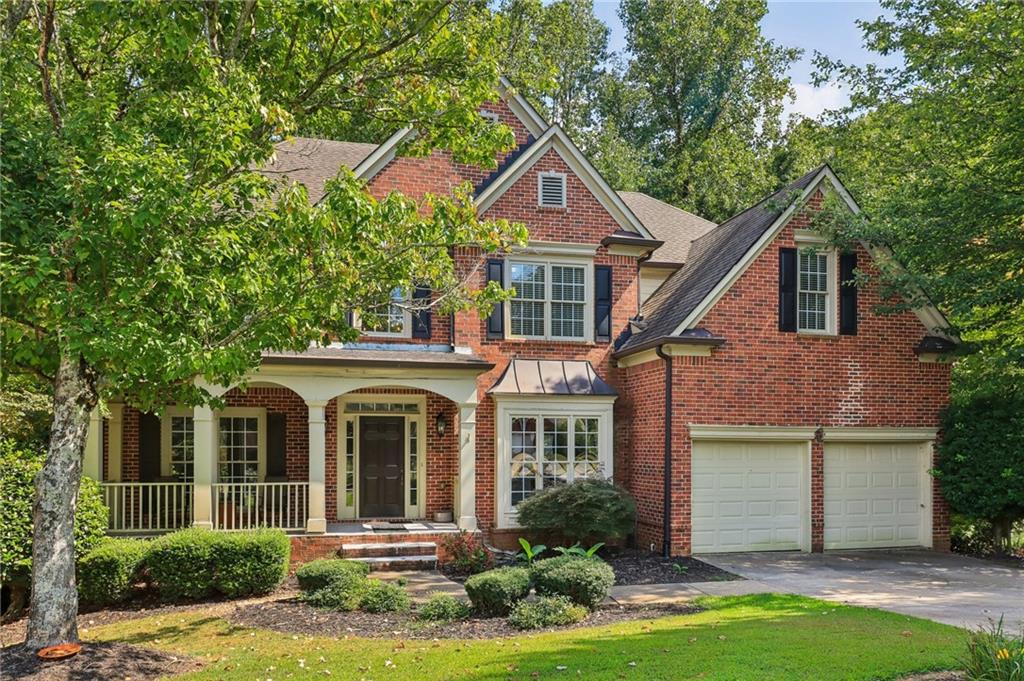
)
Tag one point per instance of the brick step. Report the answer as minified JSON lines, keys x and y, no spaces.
{"x":384,"y":549}
{"x":399,"y":562}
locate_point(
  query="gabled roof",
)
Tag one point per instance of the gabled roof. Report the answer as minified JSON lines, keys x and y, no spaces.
{"x":676,"y":227}
{"x":313,"y":161}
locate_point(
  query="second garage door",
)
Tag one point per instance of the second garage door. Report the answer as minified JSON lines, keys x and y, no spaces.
{"x":875,"y":496}
{"x":749,"y":496}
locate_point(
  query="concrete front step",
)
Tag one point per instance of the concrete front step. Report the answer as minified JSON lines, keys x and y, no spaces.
{"x":399,"y":562}
{"x":383,"y":549}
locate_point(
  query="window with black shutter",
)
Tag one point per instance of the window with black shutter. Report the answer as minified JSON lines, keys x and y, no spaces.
{"x":847,"y":294}
{"x":602,"y":303}
{"x":421,"y":317}
{"x":787,"y":289}
{"x":496,"y":320}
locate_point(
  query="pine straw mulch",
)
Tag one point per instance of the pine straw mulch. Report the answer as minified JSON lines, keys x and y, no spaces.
{"x":296,"y":617}
{"x":97,"y":661}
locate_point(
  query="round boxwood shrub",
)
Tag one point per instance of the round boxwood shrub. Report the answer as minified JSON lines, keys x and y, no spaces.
{"x":343,"y":592}
{"x":493,"y":593}
{"x":181,"y":563}
{"x":107,"y":573}
{"x":546,"y":611}
{"x":317,"y":574}
{"x":585,"y":581}
{"x":381,"y":596}
{"x":586,"y":511}
{"x":248,"y":563}
{"x":443,"y":608}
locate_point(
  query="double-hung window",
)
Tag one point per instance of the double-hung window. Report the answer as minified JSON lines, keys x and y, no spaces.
{"x":552,"y":450}
{"x":241,"y":447}
{"x":182,"y":447}
{"x":814,"y":291}
{"x":550,"y":300}
{"x":391,"y":321}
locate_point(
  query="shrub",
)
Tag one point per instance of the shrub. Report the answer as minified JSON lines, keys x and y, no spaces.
{"x":994,"y":655}
{"x":343,"y":592}
{"x":546,"y":611}
{"x":181,"y":563}
{"x":443,"y":608}
{"x":319,"y":573}
{"x":381,"y":596}
{"x":18,"y":468}
{"x":493,"y":593}
{"x":465,"y":554}
{"x":107,"y":573}
{"x":585,"y":511}
{"x":583,"y":580}
{"x":247,"y":563}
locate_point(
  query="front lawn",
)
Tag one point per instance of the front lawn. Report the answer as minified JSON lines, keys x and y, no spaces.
{"x":747,"y":637}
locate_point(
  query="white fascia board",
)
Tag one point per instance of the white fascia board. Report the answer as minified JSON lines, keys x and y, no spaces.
{"x":727,"y":432}
{"x":522,"y":109}
{"x":879,"y":434}
{"x":381,"y":156}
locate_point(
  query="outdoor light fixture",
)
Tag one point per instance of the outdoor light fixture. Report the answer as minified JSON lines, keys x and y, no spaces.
{"x":442,"y":424}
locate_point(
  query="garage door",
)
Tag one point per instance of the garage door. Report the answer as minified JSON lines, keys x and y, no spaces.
{"x":874,"y":495}
{"x":748,"y":496}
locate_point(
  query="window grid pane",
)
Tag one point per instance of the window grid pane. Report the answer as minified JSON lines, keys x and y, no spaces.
{"x":182,"y":448}
{"x":527,"y":306}
{"x":569,"y":449}
{"x":555,"y":467}
{"x":524,"y":458}
{"x":586,"y":458}
{"x":239,"y":449}
{"x":391,"y":321}
{"x":413,"y":462}
{"x":812,"y":298}
{"x":350,"y":463}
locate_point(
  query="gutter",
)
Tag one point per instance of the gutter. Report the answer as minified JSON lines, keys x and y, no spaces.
{"x":660,"y":342}
{"x":666,"y":511}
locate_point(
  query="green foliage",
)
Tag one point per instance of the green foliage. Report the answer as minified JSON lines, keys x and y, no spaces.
{"x":585,"y":581}
{"x":993,"y":654}
{"x":980,"y":467}
{"x":577,"y":550}
{"x":181,"y":564}
{"x":26,"y":409}
{"x":319,"y":573}
{"x":248,"y":563}
{"x":18,"y":468}
{"x":465,"y":554}
{"x":529,"y":552}
{"x":546,"y":611}
{"x":443,"y":608}
{"x":107,"y":574}
{"x":343,"y":592}
{"x":379,"y":596}
{"x":493,"y":593}
{"x":584,"y":511}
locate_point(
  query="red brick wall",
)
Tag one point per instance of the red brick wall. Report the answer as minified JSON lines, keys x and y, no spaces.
{"x":761,"y":376}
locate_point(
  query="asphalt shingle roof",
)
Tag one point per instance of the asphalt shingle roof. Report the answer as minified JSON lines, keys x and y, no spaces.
{"x":675,"y":226}
{"x":312,"y":162}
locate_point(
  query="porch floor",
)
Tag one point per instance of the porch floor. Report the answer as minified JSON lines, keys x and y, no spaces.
{"x":363,"y":528}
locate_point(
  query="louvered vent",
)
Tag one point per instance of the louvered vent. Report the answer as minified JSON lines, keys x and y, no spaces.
{"x":551,"y":190}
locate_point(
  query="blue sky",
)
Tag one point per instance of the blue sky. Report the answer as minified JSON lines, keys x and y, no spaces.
{"x":828,"y":27}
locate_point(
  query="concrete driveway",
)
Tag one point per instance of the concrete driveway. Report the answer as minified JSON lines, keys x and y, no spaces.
{"x":937,"y":586}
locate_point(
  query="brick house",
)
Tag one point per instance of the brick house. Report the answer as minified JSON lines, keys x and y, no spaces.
{"x":641,"y":339}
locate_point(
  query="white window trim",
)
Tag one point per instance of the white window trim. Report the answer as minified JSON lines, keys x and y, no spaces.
{"x":417,"y":510}
{"x":165,"y":439}
{"x":261,"y":437}
{"x":491,"y":116}
{"x":588,"y":297}
{"x":509,"y":406}
{"x":406,"y":325}
{"x":809,"y":240}
{"x":540,"y":184}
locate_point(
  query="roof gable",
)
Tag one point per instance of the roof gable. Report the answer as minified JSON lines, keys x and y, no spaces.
{"x":674,"y":226}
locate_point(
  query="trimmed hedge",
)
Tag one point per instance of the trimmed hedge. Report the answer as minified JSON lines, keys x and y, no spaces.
{"x":443,"y":608}
{"x":585,"y":581}
{"x":585,"y":511}
{"x":495,"y":592}
{"x":249,"y":563}
{"x":317,"y":574}
{"x":381,"y":596}
{"x":546,"y":611}
{"x":344,"y":592}
{"x":181,"y":563}
{"x":107,"y":573}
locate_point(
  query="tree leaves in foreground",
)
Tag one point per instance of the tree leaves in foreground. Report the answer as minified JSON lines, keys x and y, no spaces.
{"x":141,"y":248}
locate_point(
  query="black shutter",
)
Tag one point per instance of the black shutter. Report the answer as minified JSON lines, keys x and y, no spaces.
{"x":787,"y":289}
{"x":277,"y":438}
{"x":847,"y":294}
{"x":496,"y":322}
{"x":602,"y":303}
{"x":421,"y":318}
{"x":149,"y":448}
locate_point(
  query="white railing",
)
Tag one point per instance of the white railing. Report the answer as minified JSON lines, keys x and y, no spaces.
{"x":244,"y":505}
{"x":147,"y":506}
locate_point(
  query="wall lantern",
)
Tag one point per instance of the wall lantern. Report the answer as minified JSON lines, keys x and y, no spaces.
{"x":442,"y":423}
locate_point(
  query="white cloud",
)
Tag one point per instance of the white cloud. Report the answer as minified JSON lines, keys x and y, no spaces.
{"x":812,"y":101}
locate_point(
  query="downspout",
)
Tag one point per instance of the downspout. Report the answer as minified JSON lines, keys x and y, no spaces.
{"x":666,"y":511}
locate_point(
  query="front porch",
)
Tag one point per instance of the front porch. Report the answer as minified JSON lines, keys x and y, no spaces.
{"x":311,"y":448}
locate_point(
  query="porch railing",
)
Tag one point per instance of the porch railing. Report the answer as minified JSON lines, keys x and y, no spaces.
{"x":147,"y":506}
{"x":245,"y":505}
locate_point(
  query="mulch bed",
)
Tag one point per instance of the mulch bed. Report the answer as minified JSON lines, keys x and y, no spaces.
{"x":642,"y":567}
{"x":97,"y":661}
{"x":295,"y":617}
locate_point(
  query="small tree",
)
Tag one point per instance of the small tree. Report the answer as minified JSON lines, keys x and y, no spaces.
{"x":981,"y":462}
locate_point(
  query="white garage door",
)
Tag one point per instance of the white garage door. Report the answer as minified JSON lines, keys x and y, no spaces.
{"x":874,"y":495}
{"x":748,"y":496}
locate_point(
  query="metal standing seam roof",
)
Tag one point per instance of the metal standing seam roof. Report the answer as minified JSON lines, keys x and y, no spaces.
{"x":551,"y":377}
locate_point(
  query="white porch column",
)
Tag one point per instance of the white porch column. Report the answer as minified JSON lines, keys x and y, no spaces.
{"x":467,"y":467}
{"x":92,"y":459}
{"x":204,"y":460}
{"x":115,"y":428}
{"x":316,"y":522}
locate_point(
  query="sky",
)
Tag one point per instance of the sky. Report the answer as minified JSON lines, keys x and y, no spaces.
{"x":826,"y":26}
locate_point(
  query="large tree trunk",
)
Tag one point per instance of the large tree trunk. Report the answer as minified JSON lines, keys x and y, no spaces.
{"x":54,"y":604}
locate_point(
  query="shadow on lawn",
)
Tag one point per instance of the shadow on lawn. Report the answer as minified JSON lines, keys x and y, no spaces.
{"x":178,"y":633}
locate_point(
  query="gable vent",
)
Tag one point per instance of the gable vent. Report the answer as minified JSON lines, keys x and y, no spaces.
{"x":551,"y":190}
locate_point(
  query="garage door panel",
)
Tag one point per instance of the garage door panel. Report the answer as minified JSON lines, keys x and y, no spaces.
{"x":750,"y":496}
{"x":873,"y":495}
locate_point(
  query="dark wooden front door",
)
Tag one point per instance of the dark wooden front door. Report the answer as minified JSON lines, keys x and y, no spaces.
{"x":381,"y":466}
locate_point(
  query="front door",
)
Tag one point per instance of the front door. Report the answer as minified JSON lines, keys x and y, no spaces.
{"x":381,"y":466}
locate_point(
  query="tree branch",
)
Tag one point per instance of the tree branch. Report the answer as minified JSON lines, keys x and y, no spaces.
{"x":46,"y":22}
{"x":243,"y":19}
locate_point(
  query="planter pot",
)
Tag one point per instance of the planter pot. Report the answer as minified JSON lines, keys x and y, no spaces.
{"x":443,"y":517}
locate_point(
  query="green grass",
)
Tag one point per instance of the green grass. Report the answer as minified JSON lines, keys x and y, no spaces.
{"x":745,"y":637}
